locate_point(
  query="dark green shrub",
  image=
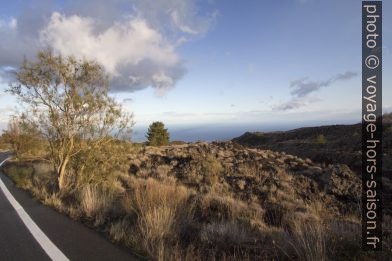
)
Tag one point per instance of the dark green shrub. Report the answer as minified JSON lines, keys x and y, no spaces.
{"x":157,"y":135}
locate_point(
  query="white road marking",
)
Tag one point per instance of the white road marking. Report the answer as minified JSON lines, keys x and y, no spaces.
{"x":51,"y":250}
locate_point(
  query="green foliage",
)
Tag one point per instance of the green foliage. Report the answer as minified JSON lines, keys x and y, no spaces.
{"x":320,"y":139}
{"x":157,"y":135}
{"x":97,"y":166}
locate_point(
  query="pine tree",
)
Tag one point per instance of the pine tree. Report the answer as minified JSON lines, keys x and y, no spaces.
{"x":157,"y":135}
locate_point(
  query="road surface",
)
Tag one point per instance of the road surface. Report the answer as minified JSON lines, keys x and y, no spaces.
{"x":63,"y":238}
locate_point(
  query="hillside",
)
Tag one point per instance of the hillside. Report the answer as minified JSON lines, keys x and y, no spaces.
{"x":340,"y":143}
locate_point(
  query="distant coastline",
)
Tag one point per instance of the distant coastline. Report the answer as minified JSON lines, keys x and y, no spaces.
{"x":224,"y":132}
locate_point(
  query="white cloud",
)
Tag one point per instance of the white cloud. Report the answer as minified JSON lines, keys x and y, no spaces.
{"x":136,"y":41}
{"x":121,"y":49}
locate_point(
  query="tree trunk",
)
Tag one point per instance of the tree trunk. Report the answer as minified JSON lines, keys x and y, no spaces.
{"x":62,"y":173}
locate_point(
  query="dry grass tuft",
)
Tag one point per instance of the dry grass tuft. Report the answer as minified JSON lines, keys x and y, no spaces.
{"x":308,"y":241}
{"x":158,"y":207}
{"x":119,"y":230}
{"x":97,"y":199}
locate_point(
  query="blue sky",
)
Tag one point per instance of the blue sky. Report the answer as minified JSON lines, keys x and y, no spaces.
{"x":215,"y":63}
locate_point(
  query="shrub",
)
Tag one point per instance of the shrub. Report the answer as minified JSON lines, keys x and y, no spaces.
{"x":101,"y":164}
{"x":21,"y":175}
{"x":157,"y":135}
{"x":320,"y":139}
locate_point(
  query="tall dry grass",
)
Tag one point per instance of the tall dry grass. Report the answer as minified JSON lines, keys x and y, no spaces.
{"x":97,"y":200}
{"x":309,"y":241}
{"x":159,"y":208}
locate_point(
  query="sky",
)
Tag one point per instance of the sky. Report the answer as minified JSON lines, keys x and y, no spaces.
{"x":208,"y":69}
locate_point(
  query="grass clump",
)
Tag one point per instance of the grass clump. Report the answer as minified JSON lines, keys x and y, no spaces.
{"x":211,"y":169}
{"x":21,"y":175}
{"x":159,"y":208}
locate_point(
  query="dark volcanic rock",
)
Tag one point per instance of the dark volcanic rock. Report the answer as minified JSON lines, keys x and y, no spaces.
{"x":257,"y":176}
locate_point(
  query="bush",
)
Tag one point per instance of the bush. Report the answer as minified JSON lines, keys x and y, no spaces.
{"x":100,"y":164}
{"x":157,"y":135}
{"x":20,"y":175}
{"x":321,"y":139}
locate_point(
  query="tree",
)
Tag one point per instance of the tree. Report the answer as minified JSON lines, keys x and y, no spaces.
{"x":157,"y":135}
{"x":67,"y":99}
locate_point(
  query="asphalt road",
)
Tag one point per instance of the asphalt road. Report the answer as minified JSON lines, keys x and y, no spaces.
{"x":75,"y":241}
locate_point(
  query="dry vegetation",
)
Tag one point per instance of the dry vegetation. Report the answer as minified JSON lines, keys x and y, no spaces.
{"x":215,"y":201}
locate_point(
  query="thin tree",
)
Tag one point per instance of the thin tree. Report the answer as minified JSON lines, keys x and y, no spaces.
{"x":67,"y":99}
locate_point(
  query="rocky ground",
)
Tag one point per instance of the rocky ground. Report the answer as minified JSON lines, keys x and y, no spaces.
{"x":256,"y":176}
{"x":341,"y":145}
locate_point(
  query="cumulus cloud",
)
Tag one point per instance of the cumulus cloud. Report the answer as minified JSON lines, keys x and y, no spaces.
{"x":302,"y":88}
{"x":135,"y":41}
{"x":124,"y":49}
